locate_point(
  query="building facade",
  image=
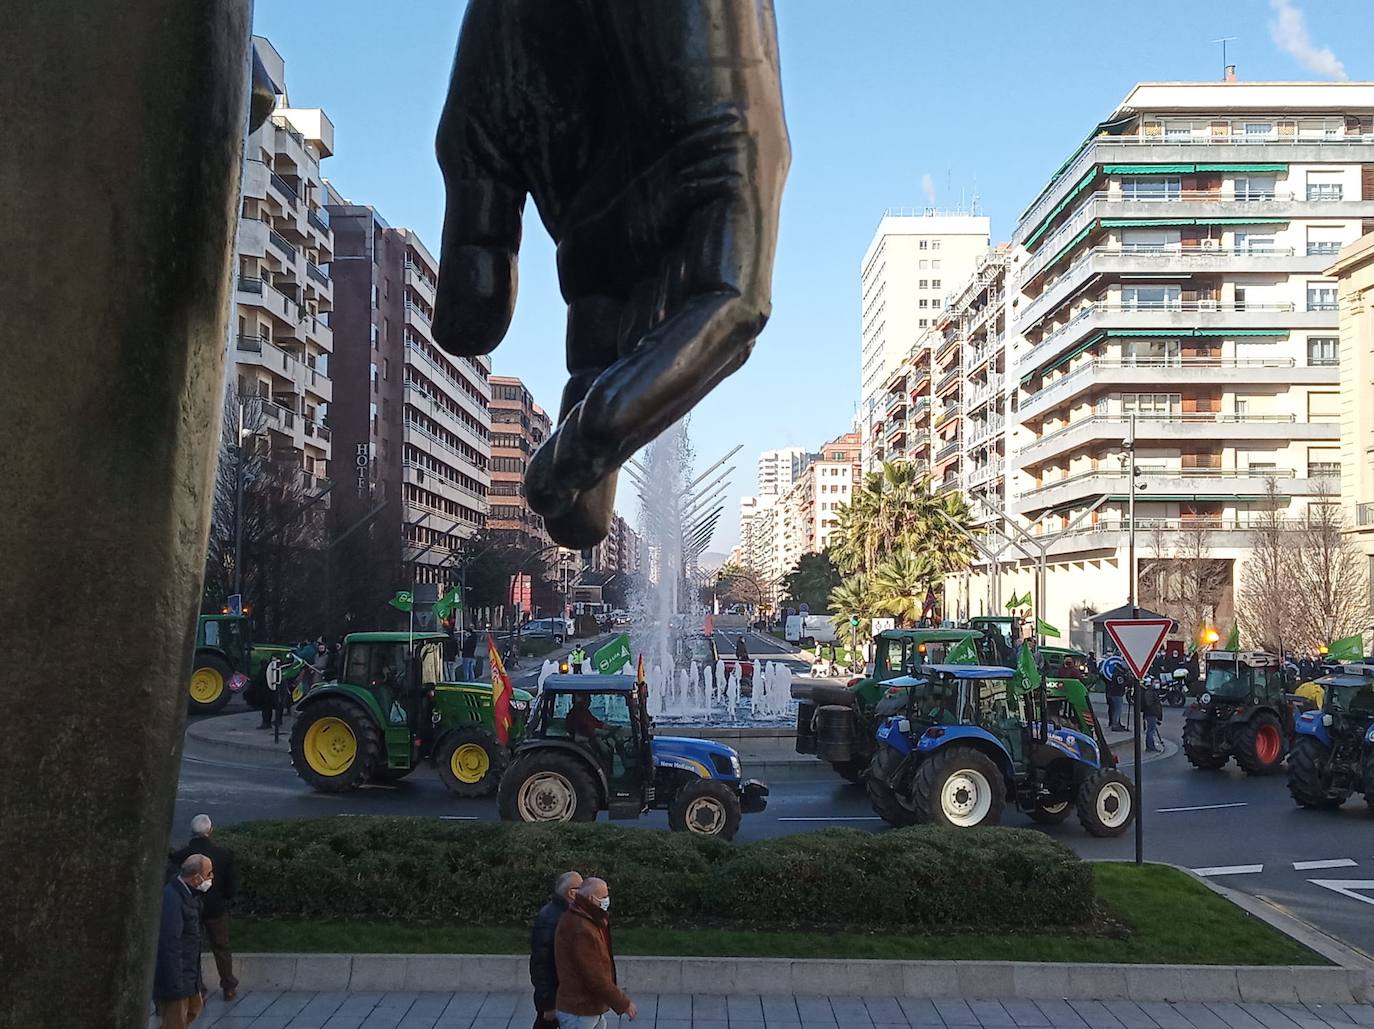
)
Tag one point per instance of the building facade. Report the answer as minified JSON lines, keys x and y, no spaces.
{"x":778,"y":469}
{"x":284,"y":296}
{"x":1172,"y":275}
{"x":519,"y":428}
{"x":909,"y":268}
{"x":1354,"y":273}
{"x":827,"y":484}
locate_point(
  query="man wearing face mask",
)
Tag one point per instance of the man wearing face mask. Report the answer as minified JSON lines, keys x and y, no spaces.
{"x":543,"y":967}
{"x":586,"y":963}
{"x":214,"y":903}
{"x":177,"y":987}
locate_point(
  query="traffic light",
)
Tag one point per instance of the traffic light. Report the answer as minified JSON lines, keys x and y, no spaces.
{"x":853,"y":621}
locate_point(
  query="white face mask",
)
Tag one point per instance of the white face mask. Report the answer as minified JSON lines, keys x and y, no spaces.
{"x":605,"y":903}
{"x":205,"y":885}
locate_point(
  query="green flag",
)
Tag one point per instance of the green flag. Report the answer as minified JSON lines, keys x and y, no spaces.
{"x":1011,"y":604}
{"x":614,"y":656}
{"x":1347,"y":648}
{"x":1016,"y":601}
{"x":402,"y":601}
{"x":1025,"y":664}
{"x":451,"y":601}
{"x":1233,"y":638}
{"x":1044,"y":628}
{"x":962,"y":653}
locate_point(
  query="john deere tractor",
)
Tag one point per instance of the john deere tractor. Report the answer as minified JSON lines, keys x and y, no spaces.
{"x":1244,"y":712}
{"x":389,"y":713}
{"x":1333,"y":747}
{"x":225,"y":660}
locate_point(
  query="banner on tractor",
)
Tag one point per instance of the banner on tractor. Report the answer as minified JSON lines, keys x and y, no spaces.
{"x":402,"y":601}
{"x":614,"y":656}
{"x":1044,"y":628}
{"x":450,"y":602}
{"x":1347,"y":648}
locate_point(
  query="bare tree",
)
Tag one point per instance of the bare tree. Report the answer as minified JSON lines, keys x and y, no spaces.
{"x":1329,"y":581}
{"x":1267,"y":610}
{"x":1152,"y":580}
{"x":1200,"y":581}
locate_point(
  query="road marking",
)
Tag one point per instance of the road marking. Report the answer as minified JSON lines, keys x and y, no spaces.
{"x":831,"y":818}
{"x":1311,"y":866}
{"x":458,"y":818}
{"x":1347,"y":887}
{"x":1228,"y":870}
{"x":1200,"y":807}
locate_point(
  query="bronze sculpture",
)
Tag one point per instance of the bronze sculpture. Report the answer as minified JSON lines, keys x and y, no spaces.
{"x":651,"y":137}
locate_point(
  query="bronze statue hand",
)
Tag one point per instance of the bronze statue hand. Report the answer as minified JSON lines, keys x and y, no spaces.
{"x":651,"y":137}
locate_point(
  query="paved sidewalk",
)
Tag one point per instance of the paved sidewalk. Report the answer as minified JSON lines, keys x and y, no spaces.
{"x":274,"y":1010}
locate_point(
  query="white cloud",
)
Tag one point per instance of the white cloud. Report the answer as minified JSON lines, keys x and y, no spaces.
{"x":928,"y":188}
{"x":1289,"y":32}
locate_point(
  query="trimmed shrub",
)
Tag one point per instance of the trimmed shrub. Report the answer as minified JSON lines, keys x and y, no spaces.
{"x":429,"y":872}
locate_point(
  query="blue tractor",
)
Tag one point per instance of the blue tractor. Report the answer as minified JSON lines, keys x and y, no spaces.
{"x":590,"y":747}
{"x":1333,"y":746}
{"x":972,"y":739}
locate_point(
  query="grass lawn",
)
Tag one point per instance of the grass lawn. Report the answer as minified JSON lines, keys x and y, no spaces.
{"x":1153,"y":915}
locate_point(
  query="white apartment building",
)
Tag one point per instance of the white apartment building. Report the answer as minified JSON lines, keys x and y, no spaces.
{"x":282,"y":336}
{"x":778,"y":469}
{"x":912,"y":264}
{"x":1174,"y":269}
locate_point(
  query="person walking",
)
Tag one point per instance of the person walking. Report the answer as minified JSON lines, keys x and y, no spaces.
{"x":450,"y":656}
{"x":215,"y":902}
{"x":741,"y":649}
{"x":1152,"y":711}
{"x":543,"y":966}
{"x":585,"y":962}
{"x":1116,"y":695}
{"x":178,"y":990}
{"x":470,"y":656}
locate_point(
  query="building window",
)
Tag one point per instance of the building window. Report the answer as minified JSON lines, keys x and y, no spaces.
{"x":1150,"y":298}
{"x":1322,"y":352}
{"x":923,"y":323}
{"x":386,"y":286}
{"x":934,"y":283}
{"x":374,"y":296}
{"x":922,"y":264}
{"x":1323,"y":462}
{"x":1324,"y":240}
{"x":372,"y":415}
{"x":1149,"y":189}
{"x":1254,"y":187}
{"x":1324,"y":186}
{"x":386,"y":368}
{"x":934,"y":244}
{"x":935,"y":264}
{"x":923,"y":284}
{"x":374,"y":337}
{"x":935,"y":304}
{"x":372,"y":374}
{"x":1257,"y":131}
{"x":1321,"y":296}
{"x":1254,"y":242}
{"x":922,"y":245}
{"x":1151,"y":405}
{"x":923,"y":303}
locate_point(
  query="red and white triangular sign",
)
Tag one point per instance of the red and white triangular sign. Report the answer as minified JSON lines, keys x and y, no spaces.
{"x":1139,"y":640}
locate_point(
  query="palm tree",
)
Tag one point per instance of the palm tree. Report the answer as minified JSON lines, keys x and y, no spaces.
{"x":854,"y":596}
{"x":901,"y":582}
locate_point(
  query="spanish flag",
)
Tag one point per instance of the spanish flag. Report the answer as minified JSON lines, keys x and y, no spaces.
{"x":639,"y":669}
{"x":500,"y":694}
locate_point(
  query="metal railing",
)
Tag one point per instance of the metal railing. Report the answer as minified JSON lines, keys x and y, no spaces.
{"x":894,"y":400}
{"x":948,"y":411}
{"x":1165,"y":307}
{"x":248,"y":284}
{"x":462,"y":386}
{"x":281,"y":243}
{"x":417,"y":311}
{"x":316,"y":272}
{"x":283,"y":187}
{"x":1085,"y":370}
{"x":1364,"y":515}
{"x":953,"y":375}
{"x":1166,"y":473}
{"x":949,"y":449}
{"x":319,"y":220}
{"x":1192,"y":418}
{"x":249,"y":344}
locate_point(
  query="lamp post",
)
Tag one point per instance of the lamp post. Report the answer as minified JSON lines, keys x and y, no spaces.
{"x":1137,"y":722}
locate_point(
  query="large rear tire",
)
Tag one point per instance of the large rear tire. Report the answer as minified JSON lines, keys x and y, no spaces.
{"x":209,"y":686}
{"x":959,"y":787}
{"x":705,"y":808}
{"x":1259,"y":745}
{"x":1200,"y":754}
{"x":1106,"y":803}
{"x":885,"y":804}
{"x":1307,"y":783}
{"x":471,"y":762}
{"x":335,"y":745}
{"x":548,"y":786}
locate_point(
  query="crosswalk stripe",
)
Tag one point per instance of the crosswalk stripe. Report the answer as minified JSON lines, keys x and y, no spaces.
{"x":1306,"y":866}
{"x":1228,"y":870}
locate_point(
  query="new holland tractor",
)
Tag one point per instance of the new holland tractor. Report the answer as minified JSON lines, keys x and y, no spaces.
{"x":1333,"y":746}
{"x":1244,"y":712}
{"x":971,"y":740}
{"x":591,"y":747}
{"x":390,"y":712}
{"x":225,"y":660}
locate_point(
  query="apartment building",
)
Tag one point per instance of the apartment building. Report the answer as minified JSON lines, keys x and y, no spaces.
{"x":1174,"y":271}
{"x":913,"y":262}
{"x":1354,"y":272}
{"x":284,"y":296}
{"x":778,"y":469}
{"x":414,"y":420}
{"x":519,"y":428}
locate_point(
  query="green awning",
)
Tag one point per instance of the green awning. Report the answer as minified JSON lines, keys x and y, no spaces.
{"x":1064,"y":358}
{"x":1147,"y":169}
{"x":1242,"y":167}
{"x":1148,"y":333}
{"x":1101,"y":334}
{"x":1239,"y":332}
{"x":1129,"y":223}
{"x":1070,"y":245}
{"x":1242,"y":221}
{"x":1068,"y":198}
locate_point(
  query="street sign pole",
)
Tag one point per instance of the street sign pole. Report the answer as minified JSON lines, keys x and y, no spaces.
{"x":1139,"y":640}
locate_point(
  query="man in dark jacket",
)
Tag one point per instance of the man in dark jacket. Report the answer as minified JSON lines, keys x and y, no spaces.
{"x":177,"y":987}
{"x":586,"y":962}
{"x":214,"y":906}
{"x":543,"y":971}
{"x":469,"y":656}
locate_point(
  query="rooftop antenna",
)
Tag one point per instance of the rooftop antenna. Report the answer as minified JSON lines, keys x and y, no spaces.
{"x":1223,"y":41}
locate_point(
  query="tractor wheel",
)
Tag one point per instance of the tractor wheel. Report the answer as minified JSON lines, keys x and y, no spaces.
{"x":471,"y":762}
{"x":1106,"y":803}
{"x":959,"y":787}
{"x":1259,"y":745}
{"x":335,"y":745}
{"x":209,"y":690}
{"x":1200,"y":755}
{"x":1051,"y":814}
{"x":1307,"y":774}
{"x":852,"y":771}
{"x":885,"y":803}
{"x":705,"y":808}
{"x":548,"y":786}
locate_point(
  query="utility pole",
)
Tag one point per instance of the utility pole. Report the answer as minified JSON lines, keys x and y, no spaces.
{"x":240,"y":473}
{"x":1137,"y":720}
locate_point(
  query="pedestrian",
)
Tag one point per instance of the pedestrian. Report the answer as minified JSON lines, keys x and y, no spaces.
{"x":321,"y":655}
{"x":177,"y":987}
{"x":543,"y":967}
{"x":215,"y":902}
{"x":742,"y":649}
{"x":1116,"y":694}
{"x":1152,"y":711}
{"x":450,"y":656}
{"x":331,"y":664}
{"x":470,"y":656}
{"x":585,"y":962}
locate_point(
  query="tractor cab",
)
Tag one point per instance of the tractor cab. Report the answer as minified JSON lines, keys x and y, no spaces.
{"x":1333,"y":746}
{"x":231,"y":635}
{"x":225,"y":658}
{"x":1004,"y":636}
{"x":1237,"y":678}
{"x":1244,"y":711}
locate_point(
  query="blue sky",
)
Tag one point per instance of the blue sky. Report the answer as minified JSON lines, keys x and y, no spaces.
{"x":985,"y":97}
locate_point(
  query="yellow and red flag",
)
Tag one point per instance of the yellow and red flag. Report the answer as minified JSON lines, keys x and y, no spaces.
{"x":639,"y":669}
{"x":500,"y":694}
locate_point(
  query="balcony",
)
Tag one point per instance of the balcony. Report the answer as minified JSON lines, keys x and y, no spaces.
{"x":1110,"y":429}
{"x":949,"y":450}
{"x":950,"y":378}
{"x":894,"y":402}
{"x":980,"y":431}
{"x":1174,"y":485}
{"x":284,"y":189}
{"x":418,"y":312}
{"x":283,"y":245}
{"x":430,"y":406}
{"x":317,"y":273}
{"x":1364,"y":515}
{"x":250,"y":285}
{"x":947,"y":413}
{"x":1102,"y":373}
{"x":989,"y":470}
{"x":427,"y":477}
{"x":919,"y":411}
{"x":319,"y":220}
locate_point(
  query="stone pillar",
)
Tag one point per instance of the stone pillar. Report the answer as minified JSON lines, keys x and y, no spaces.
{"x":123,"y":128}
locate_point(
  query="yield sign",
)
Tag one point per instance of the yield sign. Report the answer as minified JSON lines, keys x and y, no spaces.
{"x":1347,"y":887}
{"x":1139,"y":640}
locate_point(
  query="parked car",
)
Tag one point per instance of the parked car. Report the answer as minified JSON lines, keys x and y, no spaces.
{"x":556,"y":629}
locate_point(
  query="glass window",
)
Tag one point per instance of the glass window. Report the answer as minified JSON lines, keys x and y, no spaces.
{"x":1150,"y":351}
{"x":1149,"y":188}
{"x":1178,"y":130}
{"x":1321,"y":296}
{"x":1137,"y":298}
{"x":934,"y":244}
{"x":1259,"y":130}
{"x":922,"y":265}
{"x":212,"y":634}
{"x":1324,"y":240}
{"x":923,"y":284}
{"x":1151,"y":405}
{"x":1149,"y":239}
{"x":1255,"y":187}
{"x":1254,"y":242}
{"x":1322,"y":351}
{"x":372,"y":373}
{"x":935,"y":265}
{"x":1324,"y":186}
{"x":934,"y":283}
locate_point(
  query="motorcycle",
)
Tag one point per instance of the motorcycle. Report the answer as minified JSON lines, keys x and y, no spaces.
{"x":1174,"y":689}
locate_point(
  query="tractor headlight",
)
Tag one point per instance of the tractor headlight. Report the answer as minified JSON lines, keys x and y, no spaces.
{"x":519,"y":705}
{"x":1206,"y":698}
{"x":734,"y":763}
{"x":1327,"y":720}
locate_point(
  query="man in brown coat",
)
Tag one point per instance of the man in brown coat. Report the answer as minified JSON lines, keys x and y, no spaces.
{"x":585,"y":962}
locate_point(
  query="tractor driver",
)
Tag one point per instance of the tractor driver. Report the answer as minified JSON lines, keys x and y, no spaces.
{"x":580,"y":720}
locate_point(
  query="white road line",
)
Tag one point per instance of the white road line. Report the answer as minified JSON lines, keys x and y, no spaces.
{"x":1200,"y":807}
{"x":1308,"y":866}
{"x":1347,"y":887}
{"x":458,"y":818}
{"x":1228,"y":870}
{"x":833,"y":818}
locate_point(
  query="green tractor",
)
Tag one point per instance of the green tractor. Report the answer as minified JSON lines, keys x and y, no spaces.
{"x":390,"y":712}
{"x":225,"y":660}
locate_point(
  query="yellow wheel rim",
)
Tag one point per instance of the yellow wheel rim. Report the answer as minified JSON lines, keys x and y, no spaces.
{"x":207,"y":685}
{"x":330,"y":747}
{"x":470,"y":763}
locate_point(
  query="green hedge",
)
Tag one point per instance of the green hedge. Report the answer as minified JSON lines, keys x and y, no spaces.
{"x":429,"y":872}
